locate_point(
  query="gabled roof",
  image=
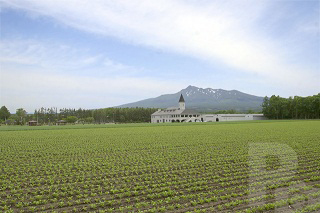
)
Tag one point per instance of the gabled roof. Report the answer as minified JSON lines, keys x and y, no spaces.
{"x":176,"y":111}
{"x":172,"y":108}
{"x":181,"y":99}
{"x":190,"y":111}
{"x":169,"y":111}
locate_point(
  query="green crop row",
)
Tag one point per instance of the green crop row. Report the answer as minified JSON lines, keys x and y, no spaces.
{"x":227,"y":167}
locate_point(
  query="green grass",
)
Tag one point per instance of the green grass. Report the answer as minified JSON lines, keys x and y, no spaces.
{"x":110,"y":125}
{"x":159,"y":167}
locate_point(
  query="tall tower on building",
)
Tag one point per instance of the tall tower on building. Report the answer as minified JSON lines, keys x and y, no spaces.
{"x":182,"y":104}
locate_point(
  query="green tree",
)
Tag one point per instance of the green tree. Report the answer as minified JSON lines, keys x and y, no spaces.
{"x":266,"y":109}
{"x":4,"y":113}
{"x":277,"y":107}
{"x":250,"y":111}
{"x":13,"y":120}
{"x":21,"y":113}
{"x":71,"y":119}
{"x":89,"y":120}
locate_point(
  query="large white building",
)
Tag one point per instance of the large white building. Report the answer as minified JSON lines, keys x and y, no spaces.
{"x":176,"y":114}
{"x":181,"y":114}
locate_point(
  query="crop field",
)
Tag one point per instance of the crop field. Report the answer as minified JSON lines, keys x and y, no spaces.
{"x":266,"y":166}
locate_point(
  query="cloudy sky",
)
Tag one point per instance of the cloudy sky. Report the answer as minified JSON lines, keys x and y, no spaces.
{"x":102,"y":53}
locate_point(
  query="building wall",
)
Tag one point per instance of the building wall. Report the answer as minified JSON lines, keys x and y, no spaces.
{"x":176,"y":118}
{"x":259,"y":117}
{"x":209,"y":117}
{"x":168,"y":118}
{"x":231,"y":117}
{"x":234,"y":117}
{"x":161,"y":118}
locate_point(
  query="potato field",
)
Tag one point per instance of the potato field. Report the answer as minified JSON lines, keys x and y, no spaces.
{"x":250,"y":166}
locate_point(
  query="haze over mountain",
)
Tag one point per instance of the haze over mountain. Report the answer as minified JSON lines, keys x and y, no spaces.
{"x":204,"y":100}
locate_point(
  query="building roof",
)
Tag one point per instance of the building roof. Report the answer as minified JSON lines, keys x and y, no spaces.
{"x":176,"y":111}
{"x":190,"y":112}
{"x":181,"y":99}
{"x":172,"y":108}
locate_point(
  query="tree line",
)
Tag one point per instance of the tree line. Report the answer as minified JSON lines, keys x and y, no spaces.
{"x":274,"y":107}
{"x":98,"y":116}
{"x":295,"y":107}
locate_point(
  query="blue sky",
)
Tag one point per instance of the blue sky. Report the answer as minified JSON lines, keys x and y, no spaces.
{"x":95,"y":54}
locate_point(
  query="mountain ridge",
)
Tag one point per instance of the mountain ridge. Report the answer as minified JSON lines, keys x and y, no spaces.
{"x":204,"y":100}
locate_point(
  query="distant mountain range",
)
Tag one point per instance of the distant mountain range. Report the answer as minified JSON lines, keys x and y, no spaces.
{"x":204,"y":100}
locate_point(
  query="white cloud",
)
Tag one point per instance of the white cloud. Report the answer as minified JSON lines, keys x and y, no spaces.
{"x":210,"y":30}
{"x":50,"y":55}
{"x":45,"y":78}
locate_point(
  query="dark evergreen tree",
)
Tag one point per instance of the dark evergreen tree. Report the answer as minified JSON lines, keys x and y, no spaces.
{"x":4,"y":113}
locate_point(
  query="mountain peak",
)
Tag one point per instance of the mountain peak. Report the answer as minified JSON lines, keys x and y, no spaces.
{"x":207,"y":99}
{"x":191,"y":87}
